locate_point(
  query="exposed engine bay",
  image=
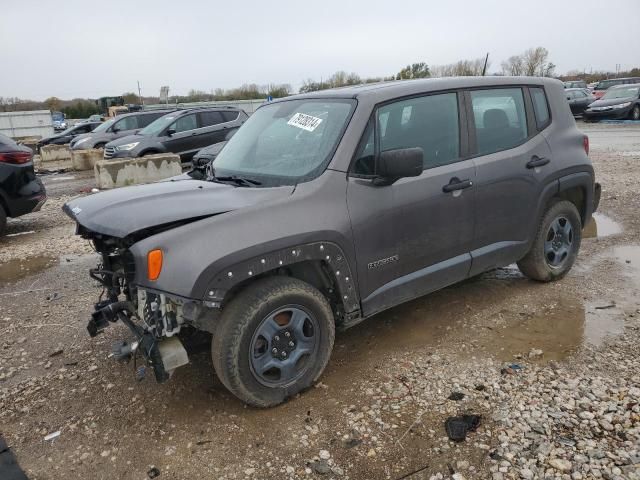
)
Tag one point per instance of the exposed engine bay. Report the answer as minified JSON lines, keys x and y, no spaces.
{"x":154,"y":319}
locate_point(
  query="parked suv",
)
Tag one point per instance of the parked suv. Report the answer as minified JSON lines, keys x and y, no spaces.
{"x":183,"y":132}
{"x":21,"y":192}
{"x":327,"y":208}
{"x":117,"y":127}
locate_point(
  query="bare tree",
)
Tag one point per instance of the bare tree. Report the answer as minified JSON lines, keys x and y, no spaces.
{"x":462,"y":68}
{"x":533,"y":62}
{"x":513,"y":66}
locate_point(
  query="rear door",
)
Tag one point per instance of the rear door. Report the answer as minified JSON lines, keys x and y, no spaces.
{"x":511,"y":160}
{"x":211,"y":129}
{"x":414,"y":235}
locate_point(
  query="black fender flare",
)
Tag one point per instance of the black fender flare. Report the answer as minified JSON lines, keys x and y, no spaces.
{"x":583,"y":180}
{"x":327,"y":252}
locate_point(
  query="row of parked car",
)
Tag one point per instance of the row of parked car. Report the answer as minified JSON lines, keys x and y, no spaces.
{"x":616,"y":102}
{"x":183,"y":132}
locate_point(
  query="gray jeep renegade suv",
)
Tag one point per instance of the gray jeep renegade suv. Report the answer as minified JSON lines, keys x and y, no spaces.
{"x":327,"y":208}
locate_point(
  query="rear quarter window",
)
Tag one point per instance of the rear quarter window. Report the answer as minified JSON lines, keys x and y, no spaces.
{"x":541,"y":107}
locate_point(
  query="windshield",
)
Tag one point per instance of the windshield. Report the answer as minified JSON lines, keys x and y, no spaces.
{"x":287,"y":142}
{"x":157,"y":126}
{"x":104,"y":126}
{"x":623,"y":92}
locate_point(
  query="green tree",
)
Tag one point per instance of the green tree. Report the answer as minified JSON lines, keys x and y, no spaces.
{"x":415,"y":70}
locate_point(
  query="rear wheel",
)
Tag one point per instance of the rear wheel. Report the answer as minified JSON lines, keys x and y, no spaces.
{"x":635,"y":113}
{"x":99,"y":146}
{"x":273,"y":341}
{"x":3,"y":221}
{"x":556,"y":245}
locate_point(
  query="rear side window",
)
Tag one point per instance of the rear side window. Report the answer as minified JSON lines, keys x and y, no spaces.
{"x":430,"y":123}
{"x":230,"y":116}
{"x":208,"y":119}
{"x":144,"y":120}
{"x":127,"y":123}
{"x":500,"y":119}
{"x":541,"y":108}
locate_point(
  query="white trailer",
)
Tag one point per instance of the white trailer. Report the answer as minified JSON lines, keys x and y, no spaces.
{"x":36,"y":123}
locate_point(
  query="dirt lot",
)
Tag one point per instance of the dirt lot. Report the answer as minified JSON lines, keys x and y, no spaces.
{"x":571,"y":411}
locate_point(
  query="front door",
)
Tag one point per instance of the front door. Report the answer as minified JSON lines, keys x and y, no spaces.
{"x":184,"y":131}
{"x":413,"y":236}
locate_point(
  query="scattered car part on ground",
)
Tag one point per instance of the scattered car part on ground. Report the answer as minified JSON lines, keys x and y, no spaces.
{"x":603,"y":85}
{"x":68,"y":135}
{"x":21,"y":192}
{"x":183,"y":132}
{"x":619,"y":102}
{"x":579,"y":99}
{"x":264,"y":257}
{"x":117,"y":127}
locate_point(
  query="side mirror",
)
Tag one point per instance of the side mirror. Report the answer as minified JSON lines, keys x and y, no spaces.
{"x":401,"y":163}
{"x":171,"y":131}
{"x":115,"y":129}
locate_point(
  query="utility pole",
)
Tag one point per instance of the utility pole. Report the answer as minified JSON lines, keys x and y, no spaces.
{"x":140,"y":94}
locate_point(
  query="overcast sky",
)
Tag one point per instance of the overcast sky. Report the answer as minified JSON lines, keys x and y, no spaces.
{"x":72,"y":48}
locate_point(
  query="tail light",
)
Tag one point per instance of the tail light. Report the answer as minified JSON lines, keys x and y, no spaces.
{"x":15,"y":157}
{"x":585,"y":144}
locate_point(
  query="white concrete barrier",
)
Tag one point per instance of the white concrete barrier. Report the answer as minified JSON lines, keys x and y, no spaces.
{"x":133,"y":171}
{"x":55,"y":153}
{"x":86,"y":159}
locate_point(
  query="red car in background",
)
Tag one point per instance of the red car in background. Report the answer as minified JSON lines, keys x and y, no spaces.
{"x":603,"y":85}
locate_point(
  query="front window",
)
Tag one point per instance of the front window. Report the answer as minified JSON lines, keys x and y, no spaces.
{"x":625,"y":92}
{"x":286,"y":142}
{"x":105,"y":126}
{"x":159,"y":125}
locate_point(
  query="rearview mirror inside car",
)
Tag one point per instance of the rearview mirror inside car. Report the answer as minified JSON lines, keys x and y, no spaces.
{"x":400,"y":163}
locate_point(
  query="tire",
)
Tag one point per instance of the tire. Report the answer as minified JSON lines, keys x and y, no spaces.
{"x":99,"y":146}
{"x":635,"y":113}
{"x":240,"y":346}
{"x":3,"y":221}
{"x":544,"y":262}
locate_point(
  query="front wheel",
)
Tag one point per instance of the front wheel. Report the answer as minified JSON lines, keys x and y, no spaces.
{"x":273,"y":341}
{"x":556,"y":244}
{"x":635,"y":113}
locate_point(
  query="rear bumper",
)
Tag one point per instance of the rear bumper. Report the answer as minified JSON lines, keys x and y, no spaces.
{"x":23,"y":193}
{"x":597,"y":192}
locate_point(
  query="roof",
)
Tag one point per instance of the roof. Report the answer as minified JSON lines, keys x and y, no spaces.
{"x":397,"y":88}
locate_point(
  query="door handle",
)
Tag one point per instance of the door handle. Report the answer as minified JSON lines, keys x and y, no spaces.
{"x":537,"y":162}
{"x":456,"y":184}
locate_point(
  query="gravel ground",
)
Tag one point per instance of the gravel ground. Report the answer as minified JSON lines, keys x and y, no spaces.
{"x":568,"y":407}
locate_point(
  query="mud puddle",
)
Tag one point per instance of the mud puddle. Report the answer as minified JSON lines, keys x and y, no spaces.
{"x":462,"y":318}
{"x":601,"y":226}
{"x":17,"y":269}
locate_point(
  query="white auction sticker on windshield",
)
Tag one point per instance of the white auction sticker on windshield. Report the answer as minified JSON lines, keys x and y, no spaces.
{"x":305,"y":122}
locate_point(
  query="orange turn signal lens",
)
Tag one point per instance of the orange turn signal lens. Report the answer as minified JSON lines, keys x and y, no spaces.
{"x":154,"y":264}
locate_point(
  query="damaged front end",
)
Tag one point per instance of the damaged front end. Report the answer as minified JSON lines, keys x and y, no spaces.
{"x":154,"y":318}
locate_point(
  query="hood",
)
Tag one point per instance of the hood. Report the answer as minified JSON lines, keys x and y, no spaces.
{"x":123,"y":211}
{"x":611,"y":101}
{"x":127,"y":139}
{"x":211,"y":150}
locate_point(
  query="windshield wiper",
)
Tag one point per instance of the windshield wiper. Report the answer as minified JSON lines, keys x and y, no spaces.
{"x":247,"y":182}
